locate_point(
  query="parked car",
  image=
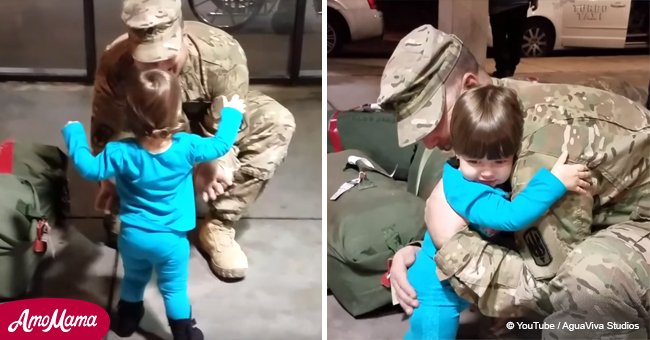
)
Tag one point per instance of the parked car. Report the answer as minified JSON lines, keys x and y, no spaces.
{"x":351,"y":20}
{"x":561,"y":24}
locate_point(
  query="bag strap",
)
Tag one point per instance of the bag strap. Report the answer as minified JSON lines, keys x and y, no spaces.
{"x":6,"y":157}
{"x":333,"y":132}
{"x":392,"y":239}
{"x":31,"y":211}
{"x":423,"y":161}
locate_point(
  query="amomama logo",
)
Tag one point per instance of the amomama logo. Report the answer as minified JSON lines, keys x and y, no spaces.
{"x":52,"y":319}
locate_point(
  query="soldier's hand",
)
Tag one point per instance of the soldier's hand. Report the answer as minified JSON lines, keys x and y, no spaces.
{"x":575,"y":177}
{"x":211,"y":180}
{"x":106,"y":198}
{"x":235,"y":102}
{"x":498,"y":327}
{"x":402,"y":260}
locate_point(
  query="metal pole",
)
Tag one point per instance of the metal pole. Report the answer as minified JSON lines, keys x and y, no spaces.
{"x":89,"y":39}
{"x":295,"y":46}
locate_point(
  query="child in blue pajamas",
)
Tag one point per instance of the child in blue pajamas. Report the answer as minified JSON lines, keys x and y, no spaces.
{"x":486,"y":132}
{"x":153,"y":173}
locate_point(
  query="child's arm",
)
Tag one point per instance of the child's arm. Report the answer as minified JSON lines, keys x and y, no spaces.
{"x":93,"y":168}
{"x":210,"y":148}
{"x":483,"y":206}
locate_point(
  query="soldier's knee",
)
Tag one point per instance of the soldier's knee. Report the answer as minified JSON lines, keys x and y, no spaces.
{"x":272,"y":131}
{"x":285,"y":122}
{"x":596,"y":282}
{"x":279,"y":118}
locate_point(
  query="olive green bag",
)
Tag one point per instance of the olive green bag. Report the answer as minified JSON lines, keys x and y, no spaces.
{"x":374,"y":133}
{"x":34,"y":196}
{"x":365,"y":226}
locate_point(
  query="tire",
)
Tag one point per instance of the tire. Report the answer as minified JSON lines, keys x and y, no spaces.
{"x":337,"y":33}
{"x":204,"y":11}
{"x":539,"y":38}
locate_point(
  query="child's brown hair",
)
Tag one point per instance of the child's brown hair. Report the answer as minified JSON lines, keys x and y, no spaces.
{"x":154,"y":104}
{"x":487,"y":121}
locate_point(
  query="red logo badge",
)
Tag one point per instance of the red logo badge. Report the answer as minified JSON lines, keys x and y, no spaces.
{"x":52,"y":319}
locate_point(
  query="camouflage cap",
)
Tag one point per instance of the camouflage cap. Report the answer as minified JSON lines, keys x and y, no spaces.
{"x":412,"y":81}
{"x":154,"y":28}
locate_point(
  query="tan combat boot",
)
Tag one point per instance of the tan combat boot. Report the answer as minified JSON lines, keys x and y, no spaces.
{"x":227,"y":259}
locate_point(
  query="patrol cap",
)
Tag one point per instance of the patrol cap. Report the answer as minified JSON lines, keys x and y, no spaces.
{"x":412,"y":82}
{"x":154,"y":27}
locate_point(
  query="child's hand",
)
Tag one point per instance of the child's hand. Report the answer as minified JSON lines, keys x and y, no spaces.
{"x":487,"y":232}
{"x":575,"y":177}
{"x":235,"y":102}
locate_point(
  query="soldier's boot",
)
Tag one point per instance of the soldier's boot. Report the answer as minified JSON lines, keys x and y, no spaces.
{"x":129,"y":315}
{"x":227,"y":259}
{"x":185,"y":329}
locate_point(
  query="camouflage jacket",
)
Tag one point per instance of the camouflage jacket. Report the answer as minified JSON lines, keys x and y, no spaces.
{"x":216,"y":66}
{"x":607,"y":132}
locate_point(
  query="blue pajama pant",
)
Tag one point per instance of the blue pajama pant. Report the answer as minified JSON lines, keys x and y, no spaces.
{"x":436,"y":317}
{"x":169,"y":253}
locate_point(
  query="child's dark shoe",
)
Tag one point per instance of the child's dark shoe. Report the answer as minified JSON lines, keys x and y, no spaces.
{"x":128,"y":316}
{"x":185,"y":329}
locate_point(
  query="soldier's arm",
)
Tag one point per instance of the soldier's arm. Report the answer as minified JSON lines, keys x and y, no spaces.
{"x":227,"y":79}
{"x":503,"y":282}
{"x":107,"y":120}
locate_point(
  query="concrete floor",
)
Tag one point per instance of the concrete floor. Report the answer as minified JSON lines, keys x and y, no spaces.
{"x":281,"y":297}
{"x":354,"y":81}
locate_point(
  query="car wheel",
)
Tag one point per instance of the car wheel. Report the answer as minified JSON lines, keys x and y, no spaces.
{"x":539,"y":38}
{"x":337,"y":33}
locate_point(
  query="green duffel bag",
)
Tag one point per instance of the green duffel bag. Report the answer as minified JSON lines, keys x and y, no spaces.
{"x":374,"y":133}
{"x":366,"y":226}
{"x":34,"y":197}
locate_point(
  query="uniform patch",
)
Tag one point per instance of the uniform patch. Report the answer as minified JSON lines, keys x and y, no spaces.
{"x":537,"y":247}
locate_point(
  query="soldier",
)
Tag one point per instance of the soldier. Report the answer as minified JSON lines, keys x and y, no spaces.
{"x":508,"y":23}
{"x":210,"y":64}
{"x":588,"y":259}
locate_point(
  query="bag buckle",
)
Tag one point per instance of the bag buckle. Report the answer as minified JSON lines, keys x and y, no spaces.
{"x":42,"y":230}
{"x":385,"y":279}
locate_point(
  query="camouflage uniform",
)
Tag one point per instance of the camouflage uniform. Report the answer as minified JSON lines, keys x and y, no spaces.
{"x":215,"y":66}
{"x":588,"y":259}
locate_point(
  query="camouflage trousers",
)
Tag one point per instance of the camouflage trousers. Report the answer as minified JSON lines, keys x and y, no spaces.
{"x":260,"y":148}
{"x":605,"y":280}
